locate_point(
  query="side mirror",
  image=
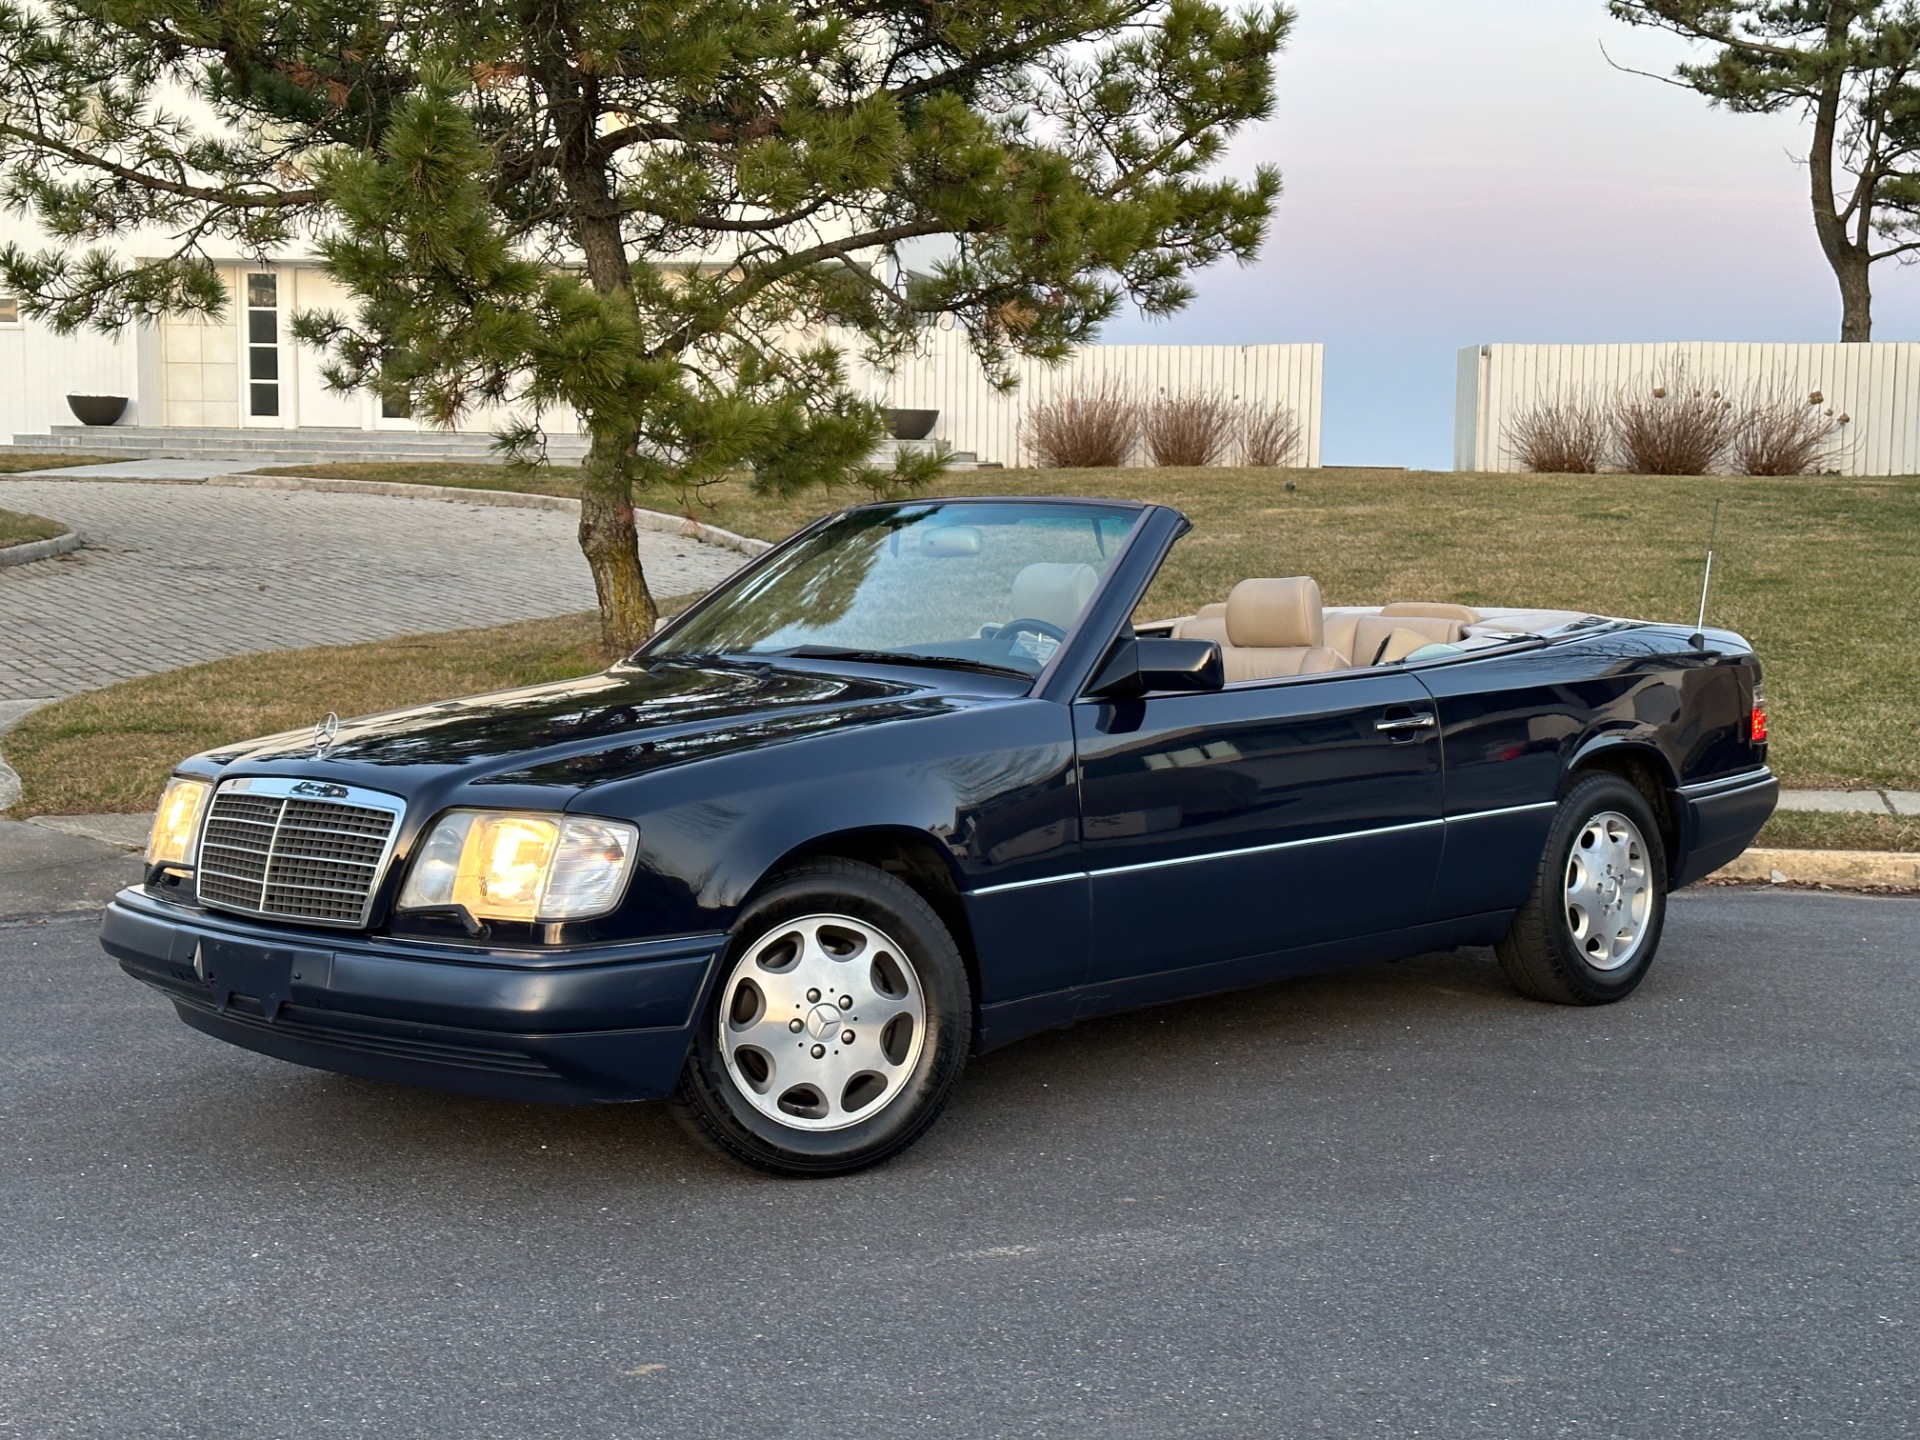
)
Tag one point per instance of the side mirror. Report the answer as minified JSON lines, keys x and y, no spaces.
{"x":1140,"y":666}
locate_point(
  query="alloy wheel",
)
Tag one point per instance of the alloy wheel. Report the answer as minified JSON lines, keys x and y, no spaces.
{"x":1609,"y":890}
{"x":821,"y":1022}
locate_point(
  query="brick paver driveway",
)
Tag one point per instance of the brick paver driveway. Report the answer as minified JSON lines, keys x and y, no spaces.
{"x":178,"y":574}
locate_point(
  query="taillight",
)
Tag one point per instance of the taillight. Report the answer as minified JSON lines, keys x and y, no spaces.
{"x":1757,"y":727}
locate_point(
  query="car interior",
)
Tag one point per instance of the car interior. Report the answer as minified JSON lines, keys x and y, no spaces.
{"x":1273,"y":628}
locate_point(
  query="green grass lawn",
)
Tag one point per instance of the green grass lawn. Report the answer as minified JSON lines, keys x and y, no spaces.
{"x":18,"y":529}
{"x":1811,"y":830}
{"x":110,"y":751}
{"x":1822,"y":574}
{"x":12,"y":462}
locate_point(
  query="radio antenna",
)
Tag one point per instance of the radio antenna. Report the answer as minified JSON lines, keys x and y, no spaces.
{"x":1699,"y":637}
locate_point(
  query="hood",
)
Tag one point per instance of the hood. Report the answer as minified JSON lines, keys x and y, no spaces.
{"x":614,"y":725}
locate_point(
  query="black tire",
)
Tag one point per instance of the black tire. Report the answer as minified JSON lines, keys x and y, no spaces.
{"x":711,"y":1102}
{"x":1541,"y":953}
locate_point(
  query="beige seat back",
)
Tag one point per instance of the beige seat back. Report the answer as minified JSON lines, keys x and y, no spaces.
{"x":1274,"y":634}
{"x":1361,"y":635}
{"x":1054,"y":591}
{"x":1372,"y":632}
{"x":1275,"y":628}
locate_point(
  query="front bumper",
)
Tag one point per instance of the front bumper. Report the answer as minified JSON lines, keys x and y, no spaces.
{"x":1718,"y":820}
{"x":572,"y":1027}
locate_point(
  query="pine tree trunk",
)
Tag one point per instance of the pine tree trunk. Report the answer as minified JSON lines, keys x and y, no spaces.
{"x":1851,"y":257}
{"x":612,"y":548}
{"x":1856,"y":298}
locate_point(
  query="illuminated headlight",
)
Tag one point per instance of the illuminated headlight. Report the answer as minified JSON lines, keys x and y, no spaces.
{"x":505,"y":866}
{"x":176,"y":825}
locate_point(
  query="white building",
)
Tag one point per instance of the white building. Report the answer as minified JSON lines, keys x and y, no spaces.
{"x":241,"y":385}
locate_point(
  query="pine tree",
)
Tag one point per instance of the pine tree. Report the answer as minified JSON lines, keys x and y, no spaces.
{"x":1849,"y":67}
{"x":675,"y":218}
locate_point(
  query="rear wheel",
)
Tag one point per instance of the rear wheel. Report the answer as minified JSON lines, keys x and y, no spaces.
{"x":1588,"y":932}
{"x":837,"y":1029}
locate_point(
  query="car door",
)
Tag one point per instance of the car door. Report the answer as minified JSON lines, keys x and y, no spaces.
{"x":1253,"y":821}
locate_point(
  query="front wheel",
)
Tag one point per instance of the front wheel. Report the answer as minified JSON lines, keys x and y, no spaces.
{"x":1588,"y":932}
{"x":838,"y":1027}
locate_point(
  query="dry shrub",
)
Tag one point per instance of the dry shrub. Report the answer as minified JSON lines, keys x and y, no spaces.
{"x":1270,"y":435}
{"x":1189,"y":429}
{"x":1783,"y":433}
{"x":1561,"y":436}
{"x":1673,"y":427}
{"x":1086,"y":427}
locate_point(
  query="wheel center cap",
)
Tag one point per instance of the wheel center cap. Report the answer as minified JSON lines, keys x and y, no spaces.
{"x":823,"y":1020}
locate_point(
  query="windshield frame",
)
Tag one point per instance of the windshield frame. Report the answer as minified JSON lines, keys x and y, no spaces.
{"x":1123,"y":552}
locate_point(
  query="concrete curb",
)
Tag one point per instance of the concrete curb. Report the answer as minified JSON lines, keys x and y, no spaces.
{"x":28,"y":551}
{"x":655,"y":520}
{"x":1840,"y":869}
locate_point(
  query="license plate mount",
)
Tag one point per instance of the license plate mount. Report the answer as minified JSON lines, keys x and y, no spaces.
{"x":254,"y":979}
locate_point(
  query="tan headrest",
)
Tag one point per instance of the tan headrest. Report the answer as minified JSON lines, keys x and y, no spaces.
{"x":1275,"y":614}
{"x":1053,"y":590}
{"x":1432,"y":610}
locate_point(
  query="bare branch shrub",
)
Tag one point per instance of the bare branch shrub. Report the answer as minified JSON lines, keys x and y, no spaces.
{"x":1189,"y":429}
{"x":1270,"y":435}
{"x":1784,"y":433}
{"x":1565,"y":435}
{"x":1086,"y":427}
{"x":1677,"y":427}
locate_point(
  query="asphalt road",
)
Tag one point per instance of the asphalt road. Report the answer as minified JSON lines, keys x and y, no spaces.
{"x":1398,"y":1201}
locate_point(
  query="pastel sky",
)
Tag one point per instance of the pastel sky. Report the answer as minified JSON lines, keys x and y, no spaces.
{"x":1465,"y":171}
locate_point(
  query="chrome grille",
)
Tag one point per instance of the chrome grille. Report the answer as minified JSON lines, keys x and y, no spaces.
{"x":300,"y":850}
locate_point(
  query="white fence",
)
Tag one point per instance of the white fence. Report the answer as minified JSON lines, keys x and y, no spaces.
{"x":1876,"y":386}
{"x":976,"y":417}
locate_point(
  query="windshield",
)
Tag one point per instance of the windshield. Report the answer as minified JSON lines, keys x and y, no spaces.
{"x":977,"y":584}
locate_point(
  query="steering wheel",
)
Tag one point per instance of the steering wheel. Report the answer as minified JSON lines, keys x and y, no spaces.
{"x":1028,"y":625}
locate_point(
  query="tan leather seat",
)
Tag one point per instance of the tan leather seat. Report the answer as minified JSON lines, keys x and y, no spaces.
{"x":1401,"y":643}
{"x":1353,"y":637}
{"x":1273,"y":628}
{"x":1204,"y":627}
{"x":1363,"y":638}
{"x":1054,"y":591}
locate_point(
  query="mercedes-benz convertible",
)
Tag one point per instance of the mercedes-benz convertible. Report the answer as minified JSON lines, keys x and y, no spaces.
{"x":919,"y":782}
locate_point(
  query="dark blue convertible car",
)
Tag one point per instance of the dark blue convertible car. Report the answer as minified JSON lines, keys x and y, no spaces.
{"x":917,"y":783}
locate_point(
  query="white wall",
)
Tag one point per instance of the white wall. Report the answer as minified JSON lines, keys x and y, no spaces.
{"x":976,"y":417}
{"x":1877,"y":386}
{"x":39,"y":369}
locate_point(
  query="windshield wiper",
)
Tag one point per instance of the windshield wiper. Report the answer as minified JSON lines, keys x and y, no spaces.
{"x":900,"y":657}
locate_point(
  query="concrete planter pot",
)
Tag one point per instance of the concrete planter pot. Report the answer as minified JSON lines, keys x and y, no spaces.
{"x":97,"y":409}
{"x":911,"y":424}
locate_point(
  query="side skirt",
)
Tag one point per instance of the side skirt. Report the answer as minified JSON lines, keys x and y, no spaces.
{"x":1016,"y":1019}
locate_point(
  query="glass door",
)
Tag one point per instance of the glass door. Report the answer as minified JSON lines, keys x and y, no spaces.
{"x":263,"y":349}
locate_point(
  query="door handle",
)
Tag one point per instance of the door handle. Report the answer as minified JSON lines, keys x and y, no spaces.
{"x":1404,"y":724}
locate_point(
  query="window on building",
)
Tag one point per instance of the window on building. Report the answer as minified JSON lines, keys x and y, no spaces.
{"x":9,"y":310}
{"x":263,"y":345}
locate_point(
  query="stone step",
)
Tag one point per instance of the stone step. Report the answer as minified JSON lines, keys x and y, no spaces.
{"x":275,"y":447}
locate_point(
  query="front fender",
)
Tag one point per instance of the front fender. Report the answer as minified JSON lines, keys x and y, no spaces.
{"x":990,"y":785}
